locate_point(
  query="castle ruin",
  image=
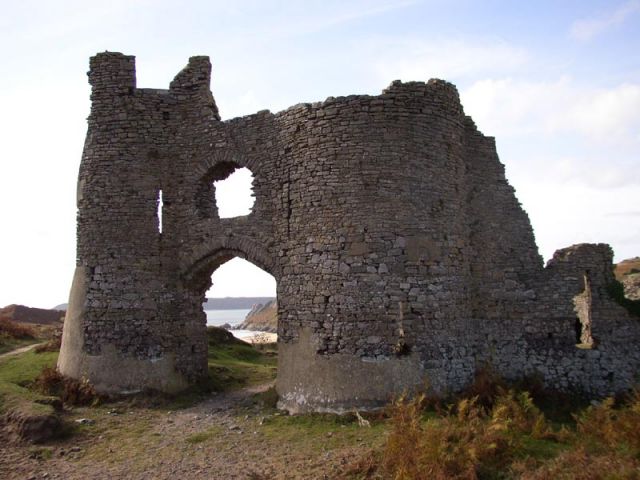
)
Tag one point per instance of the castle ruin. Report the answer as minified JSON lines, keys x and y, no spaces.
{"x":400,"y":251}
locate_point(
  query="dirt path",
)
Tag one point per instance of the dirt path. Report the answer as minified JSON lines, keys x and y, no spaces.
{"x":225,"y":436}
{"x":20,"y":350}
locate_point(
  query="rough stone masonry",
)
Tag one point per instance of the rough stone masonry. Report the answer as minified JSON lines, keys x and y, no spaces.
{"x":401,"y":253}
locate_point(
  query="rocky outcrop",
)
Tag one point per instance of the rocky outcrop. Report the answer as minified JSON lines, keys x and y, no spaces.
{"x":40,"y":316}
{"x":33,"y":427}
{"x":631,"y":285}
{"x":262,"y":318}
{"x":628,"y":273}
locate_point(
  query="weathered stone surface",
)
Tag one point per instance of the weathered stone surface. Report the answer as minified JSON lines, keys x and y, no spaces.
{"x":400,"y":251}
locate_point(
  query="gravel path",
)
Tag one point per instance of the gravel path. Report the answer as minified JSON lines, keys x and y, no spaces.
{"x":20,"y":350}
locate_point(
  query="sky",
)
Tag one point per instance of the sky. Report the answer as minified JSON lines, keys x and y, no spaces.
{"x":556,"y":82}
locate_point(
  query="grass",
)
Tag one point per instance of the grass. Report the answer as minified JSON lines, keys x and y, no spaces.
{"x":29,"y":381}
{"x":320,"y":431}
{"x":201,"y":437}
{"x":234,"y":363}
{"x":9,"y":343}
{"x":14,"y":335}
{"x":41,"y":453}
{"x":17,"y":374}
{"x":126,"y":430}
{"x":126,"y":437}
{"x":267,"y":400}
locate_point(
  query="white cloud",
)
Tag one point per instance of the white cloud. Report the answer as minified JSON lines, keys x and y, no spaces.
{"x":631,"y":213}
{"x":586,"y":29}
{"x":238,"y":277}
{"x":242,"y":104}
{"x":612,"y":114}
{"x":280,"y":20}
{"x":357,"y":12}
{"x":571,"y":151}
{"x":581,"y":168}
{"x":413,"y":59}
{"x":507,"y":106}
{"x":565,"y":213}
{"x":234,"y":195}
{"x":41,"y":153}
{"x":36,"y":22}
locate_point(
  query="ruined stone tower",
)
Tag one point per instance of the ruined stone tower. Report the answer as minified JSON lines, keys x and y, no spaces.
{"x":400,"y":251}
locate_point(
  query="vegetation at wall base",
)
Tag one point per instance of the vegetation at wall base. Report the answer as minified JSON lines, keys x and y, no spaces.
{"x":70,"y":391}
{"x":501,"y":433}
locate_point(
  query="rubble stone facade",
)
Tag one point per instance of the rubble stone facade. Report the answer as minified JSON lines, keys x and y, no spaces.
{"x":400,"y":251}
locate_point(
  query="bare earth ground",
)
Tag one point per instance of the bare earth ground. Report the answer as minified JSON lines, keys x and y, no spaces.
{"x":225,"y":436}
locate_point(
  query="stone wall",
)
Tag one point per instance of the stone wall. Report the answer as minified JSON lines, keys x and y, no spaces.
{"x":400,"y":251}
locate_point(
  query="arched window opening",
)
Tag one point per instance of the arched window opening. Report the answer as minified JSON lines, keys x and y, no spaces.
{"x":234,"y":194}
{"x":242,"y":299}
{"x":226,"y":191}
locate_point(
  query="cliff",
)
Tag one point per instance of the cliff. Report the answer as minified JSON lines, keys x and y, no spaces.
{"x":262,"y":318}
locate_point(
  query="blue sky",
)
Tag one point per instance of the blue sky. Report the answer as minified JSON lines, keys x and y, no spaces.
{"x":557,"y":83}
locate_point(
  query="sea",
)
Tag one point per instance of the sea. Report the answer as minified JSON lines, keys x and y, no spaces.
{"x":220,"y":317}
{"x":232,"y":317}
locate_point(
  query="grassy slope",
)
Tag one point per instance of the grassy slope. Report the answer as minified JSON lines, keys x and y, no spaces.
{"x":626,"y":266}
{"x":16,"y":374}
{"x":234,"y":363}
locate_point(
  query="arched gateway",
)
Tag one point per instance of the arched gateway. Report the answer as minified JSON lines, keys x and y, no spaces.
{"x":400,"y":251}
